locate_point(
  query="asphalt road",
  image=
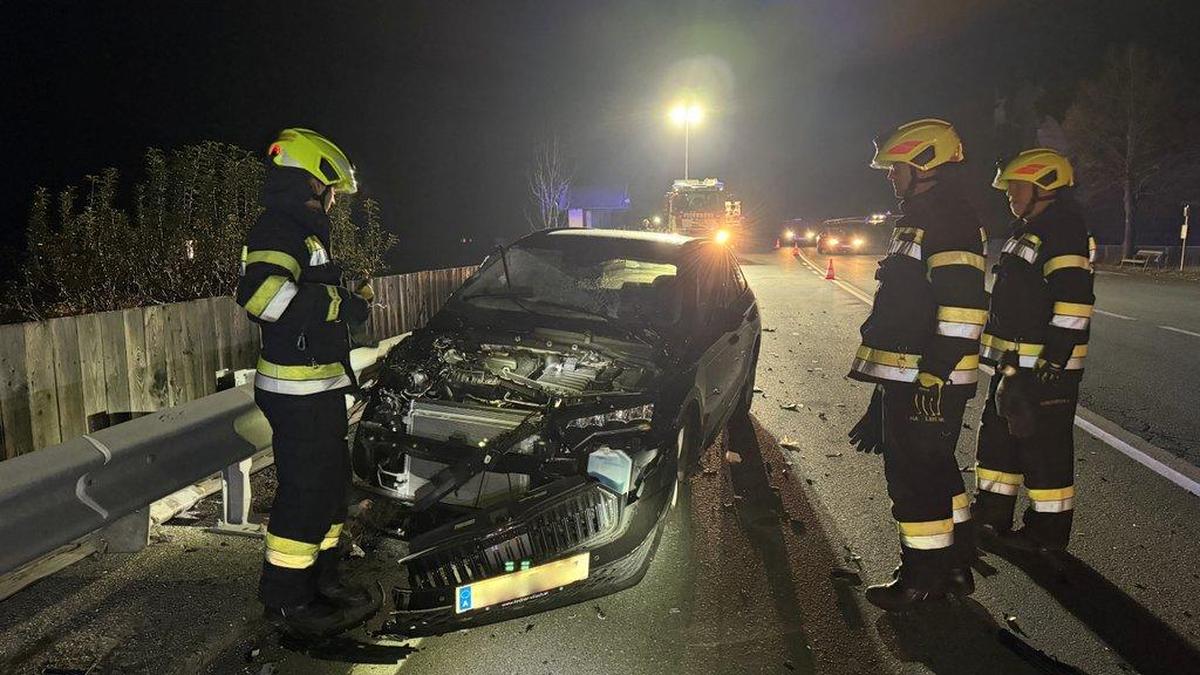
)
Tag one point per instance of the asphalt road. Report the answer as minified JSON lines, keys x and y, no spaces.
{"x":1143,"y":366}
{"x":760,"y":568}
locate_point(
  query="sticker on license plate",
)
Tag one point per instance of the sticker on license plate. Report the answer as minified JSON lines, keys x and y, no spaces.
{"x":521,"y":584}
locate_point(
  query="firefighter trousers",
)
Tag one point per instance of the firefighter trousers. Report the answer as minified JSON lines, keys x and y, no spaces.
{"x":312,"y":466}
{"x":1044,"y":463}
{"x":929,"y":502}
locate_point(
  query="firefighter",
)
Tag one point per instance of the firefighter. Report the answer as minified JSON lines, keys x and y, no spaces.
{"x":920,"y":348}
{"x":291,"y":288}
{"x":1037,"y":337}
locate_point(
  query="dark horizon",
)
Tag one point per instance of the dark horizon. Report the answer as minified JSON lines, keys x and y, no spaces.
{"x":441,"y":104}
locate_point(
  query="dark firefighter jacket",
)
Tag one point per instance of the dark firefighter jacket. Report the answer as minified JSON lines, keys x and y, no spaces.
{"x":1042,"y":299}
{"x":290,"y":287}
{"x":930,"y":307}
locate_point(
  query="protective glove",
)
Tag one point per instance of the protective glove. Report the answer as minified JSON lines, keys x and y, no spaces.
{"x":1015,"y":402}
{"x":867,"y":435}
{"x":365,"y":291}
{"x":354,"y":309}
{"x":1046,"y":372}
{"x":927,"y":399}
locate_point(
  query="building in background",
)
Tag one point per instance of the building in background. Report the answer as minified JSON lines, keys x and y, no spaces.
{"x":597,"y":206}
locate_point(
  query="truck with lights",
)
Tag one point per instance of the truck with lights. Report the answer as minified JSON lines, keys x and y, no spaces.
{"x":702,"y":207}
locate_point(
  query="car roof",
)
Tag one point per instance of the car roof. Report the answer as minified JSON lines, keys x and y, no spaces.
{"x":633,"y":235}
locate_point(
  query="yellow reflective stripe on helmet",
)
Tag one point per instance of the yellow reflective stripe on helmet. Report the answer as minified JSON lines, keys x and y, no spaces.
{"x":331,"y":537}
{"x":290,"y":553}
{"x":300,"y":373}
{"x":278,"y":258}
{"x":956,"y":258}
{"x":962,"y":315}
{"x":1065,"y":262}
{"x":999,"y":482}
{"x":265,"y":297}
{"x":335,"y":303}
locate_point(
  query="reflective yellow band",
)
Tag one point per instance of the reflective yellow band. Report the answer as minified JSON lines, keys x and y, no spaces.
{"x":960,"y":508}
{"x":331,"y":537}
{"x":1073,"y":308}
{"x":1045,"y":495}
{"x":335,"y":303}
{"x":290,"y":553}
{"x":998,"y":482}
{"x":956,"y":258}
{"x":900,"y":367}
{"x":316,"y":252}
{"x":312,"y":243}
{"x":277,"y":258}
{"x":1064,"y":262}
{"x":1032,"y":238}
{"x":927,"y":535}
{"x":272,"y":298}
{"x":300,"y":373}
{"x":962,"y":315}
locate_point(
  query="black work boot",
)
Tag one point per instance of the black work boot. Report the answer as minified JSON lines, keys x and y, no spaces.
{"x":331,"y":588}
{"x":921,"y":578}
{"x":1042,"y":533}
{"x":314,"y":619}
{"x":960,"y":581}
{"x":992,"y":513}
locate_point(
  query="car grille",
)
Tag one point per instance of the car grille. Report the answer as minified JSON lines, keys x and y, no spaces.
{"x":545,"y":535}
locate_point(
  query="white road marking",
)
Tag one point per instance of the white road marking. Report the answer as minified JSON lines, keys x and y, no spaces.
{"x":1111,"y":434}
{"x":1116,"y":316}
{"x":1180,"y":330}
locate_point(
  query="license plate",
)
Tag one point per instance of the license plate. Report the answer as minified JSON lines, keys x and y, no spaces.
{"x":521,"y":584}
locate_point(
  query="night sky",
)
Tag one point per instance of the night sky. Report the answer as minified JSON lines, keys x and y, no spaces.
{"x":440,"y":104}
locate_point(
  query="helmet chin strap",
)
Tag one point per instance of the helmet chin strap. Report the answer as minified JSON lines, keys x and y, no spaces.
{"x":917,"y":180}
{"x":1037,"y":199}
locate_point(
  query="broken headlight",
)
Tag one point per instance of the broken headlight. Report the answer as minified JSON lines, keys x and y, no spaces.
{"x":641,"y":413}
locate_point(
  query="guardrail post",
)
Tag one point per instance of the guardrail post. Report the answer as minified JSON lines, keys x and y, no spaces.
{"x":235,"y":488}
{"x":128,"y":534}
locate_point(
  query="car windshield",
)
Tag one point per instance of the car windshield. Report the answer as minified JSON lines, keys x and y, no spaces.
{"x":593,"y":277}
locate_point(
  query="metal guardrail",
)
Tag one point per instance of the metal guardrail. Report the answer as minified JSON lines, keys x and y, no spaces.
{"x":61,"y":493}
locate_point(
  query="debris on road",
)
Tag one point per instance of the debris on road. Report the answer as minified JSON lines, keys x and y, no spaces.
{"x":528,"y":627}
{"x":789,"y":445}
{"x":732,"y":457}
{"x":673,"y":610}
{"x":600,"y":613}
{"x":357,"y":552}
{"x":822,"y":416}
{"x":1011,"y":620}
{"x":833,"y":454}
{"x":794,"y":407}
{"x":768,"y":330}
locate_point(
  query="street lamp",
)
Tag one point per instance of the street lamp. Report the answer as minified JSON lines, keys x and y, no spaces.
{"x":685,"y":115}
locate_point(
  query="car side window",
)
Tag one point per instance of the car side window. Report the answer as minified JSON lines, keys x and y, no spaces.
{"x":739,"y":279}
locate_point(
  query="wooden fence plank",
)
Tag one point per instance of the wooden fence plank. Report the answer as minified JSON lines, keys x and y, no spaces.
{"x":68,"y":377}
{"x":141,"y":379}
{"x":91,"y":365}
{"x":17,"y":436}
{"x":222,"y":332}
{"x":43,"y":396}
{"x":116,"y":363}
{"x":245,"y":338}
{"x":203,"y":332}
{"x":157,"y":347}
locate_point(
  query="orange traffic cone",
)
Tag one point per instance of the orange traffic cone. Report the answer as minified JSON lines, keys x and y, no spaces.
{"x":795,"y":244}
{"x":829,"y":270}
{"x":776,"y":242}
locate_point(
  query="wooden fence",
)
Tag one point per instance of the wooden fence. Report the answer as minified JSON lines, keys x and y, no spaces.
{"x":65,"y":377}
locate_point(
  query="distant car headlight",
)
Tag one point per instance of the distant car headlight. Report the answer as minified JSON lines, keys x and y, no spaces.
{"x":810,"y":235}
{"x":641,"y":413}
{"x":857,"y":242}
{"x":721,"y":237}
{"x":833,"y":241}
{"x":788,"y":235}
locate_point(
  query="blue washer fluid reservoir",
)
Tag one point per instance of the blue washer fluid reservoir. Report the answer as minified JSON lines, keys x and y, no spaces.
{"x":613,"y":468}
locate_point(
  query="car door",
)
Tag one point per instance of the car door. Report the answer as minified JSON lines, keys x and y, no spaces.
{"x":720,"y":364}
{"x":742,"y":304}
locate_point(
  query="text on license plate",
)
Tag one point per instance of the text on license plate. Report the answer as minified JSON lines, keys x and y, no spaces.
{"x":521,"y":584}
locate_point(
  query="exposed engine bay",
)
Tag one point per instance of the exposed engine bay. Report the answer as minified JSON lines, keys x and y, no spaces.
{"x":472,"y":420}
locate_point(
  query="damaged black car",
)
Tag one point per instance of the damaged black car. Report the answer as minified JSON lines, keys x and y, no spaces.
{"x":536,"y":431}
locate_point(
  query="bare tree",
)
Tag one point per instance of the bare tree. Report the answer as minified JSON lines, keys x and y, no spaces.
{"x":1123,"y":124}
{"x":549,"y":183}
